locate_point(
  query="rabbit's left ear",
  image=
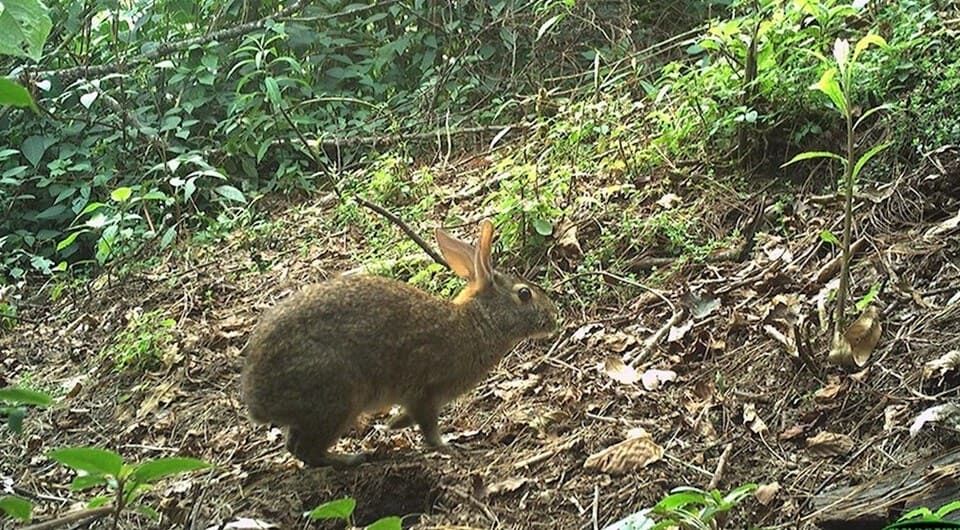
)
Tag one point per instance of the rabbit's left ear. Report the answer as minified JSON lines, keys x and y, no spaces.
{"x":482,"y":262}
{"x":459,"y":255}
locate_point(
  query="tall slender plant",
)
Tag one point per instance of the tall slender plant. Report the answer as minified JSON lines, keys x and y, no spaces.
{"x":837,"y":83}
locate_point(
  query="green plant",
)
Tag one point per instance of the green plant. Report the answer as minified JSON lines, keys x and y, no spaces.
{"x":13,"y":400}
{"x":144,"y":342}
{"x":125,"y":484}
{"x":342,"y":509}
{"x":16,"y":507}
{"x":837,"y":82}
{"x":695,"y":509}
{"x":926,"y":514}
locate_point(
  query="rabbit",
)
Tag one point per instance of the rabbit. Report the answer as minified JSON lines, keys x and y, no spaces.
{"x":360,"y":344}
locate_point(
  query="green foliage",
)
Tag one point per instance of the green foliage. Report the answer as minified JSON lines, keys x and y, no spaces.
{"x":144,"y":343}
{"x":24,"y":26}
{"x":924,"y":513}
{"x":124,"y":483}
{"x":13,"y":400}
{"x":694,"y":509}
{"x":342,"y":509}
{"x":16,"y":507}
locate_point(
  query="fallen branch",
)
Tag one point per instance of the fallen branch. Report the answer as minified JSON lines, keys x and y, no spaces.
{"x":387,"y":139}
{"x":81,"y":515}
{"x":721,"y":467}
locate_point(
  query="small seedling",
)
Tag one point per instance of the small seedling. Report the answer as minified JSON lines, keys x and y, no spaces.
{"x":13,"y":400}
{"x":927,"y":515}
{"x":342,"y":509}
{"x":691,"y":508}
{"x":16,"y":507}
{"x":124,"y":483}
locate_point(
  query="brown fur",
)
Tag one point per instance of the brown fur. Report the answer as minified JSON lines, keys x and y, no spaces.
{"x":352,"y":345}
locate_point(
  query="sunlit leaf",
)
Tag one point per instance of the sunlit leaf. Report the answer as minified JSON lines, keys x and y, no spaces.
{"x":829,"y":85}
{"x":14,"y":95}
{"x":387,"y":523}
{"x":813,"y":154}
{"x":338,"y":509}
{"x":164,"y":467}
{"x":545,"y":27}
{"x":867,"y":156}
{"x":15,"y":507}
{"x":829,"y":237}
{"x":121,"y":194}
{"x":89,"y":459}
{"x":868,"y":40}
{"x":229,"y":192}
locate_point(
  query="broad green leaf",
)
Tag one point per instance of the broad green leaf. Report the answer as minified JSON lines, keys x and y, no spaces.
{"x":813,"y":154}
{"x":67,"y":241}
{"x":674,"y":501}
{"x":24,"y":27}
{"x":545,"y":27}
{"x":92,"y":460}
{"x":23,"y":396}
{"x":543,"y":227}
{"x":829,"y":237}
{"x":828,"y":85}
{"x":121,"y":194}
{"x":869,"y":297}
{"x":14,"y":95}
{"x":18,"y":508}
{"x":273,"y":90}
{"x":867,"y":156}
{"x":387,"y":523}
{"x":14,"y":418}
{"x":338,"y":509}
{"x":83,"y":482}
{"x":229,"y":192}
{"x":164,"y":467}
{"x":866,"y":42}
{"x":34,"y":147}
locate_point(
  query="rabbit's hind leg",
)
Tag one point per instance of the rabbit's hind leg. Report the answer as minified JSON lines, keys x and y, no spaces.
{"x":311,"y":442}
{"x":425,"y":413}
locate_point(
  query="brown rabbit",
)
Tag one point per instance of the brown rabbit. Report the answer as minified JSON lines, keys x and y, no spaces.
{"x":359,"y":344}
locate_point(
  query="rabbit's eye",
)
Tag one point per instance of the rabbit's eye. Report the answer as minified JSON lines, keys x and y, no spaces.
{"x":524,"y":294}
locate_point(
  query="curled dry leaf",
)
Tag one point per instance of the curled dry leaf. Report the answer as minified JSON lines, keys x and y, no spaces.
{"x":766,"y":492}
{"x":829,"y":391}
{"x":619,"y":371}
{"x":948,"y":362}
{"x":793,"y":432}
{"x":752,"y":420}
{"x":506,"y":486}
{"x":947,"y":414}
{"x":654,"y":379}
{"x":858,"y":342}
{"x":568,"y":245}
{"x":636,"y":452}
{"x":829,"y":444}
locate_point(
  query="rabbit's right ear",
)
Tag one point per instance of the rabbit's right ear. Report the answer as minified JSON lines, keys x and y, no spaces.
{"x":459,"y":255}
{"x":482,"y":262}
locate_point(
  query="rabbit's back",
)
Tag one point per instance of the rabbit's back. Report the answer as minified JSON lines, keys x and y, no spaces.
{"x":366,"y":340}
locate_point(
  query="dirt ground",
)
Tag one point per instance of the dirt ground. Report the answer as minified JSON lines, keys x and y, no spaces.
{"x":735,"y":334}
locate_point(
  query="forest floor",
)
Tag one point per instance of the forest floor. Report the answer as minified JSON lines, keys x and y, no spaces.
{"x":529,"y":428}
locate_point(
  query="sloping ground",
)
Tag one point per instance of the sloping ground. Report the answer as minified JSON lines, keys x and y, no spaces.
{"x":529,"y":428}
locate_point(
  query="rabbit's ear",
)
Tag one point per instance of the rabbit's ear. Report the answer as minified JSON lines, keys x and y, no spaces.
{"x":459,"y":255}
{"x":482,"y":262}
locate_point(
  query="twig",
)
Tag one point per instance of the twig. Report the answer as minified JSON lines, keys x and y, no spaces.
{"x":639,"y":355}
{"x":385,"y":139}
{"x":92,"y":513}
{"x":721,"y":467}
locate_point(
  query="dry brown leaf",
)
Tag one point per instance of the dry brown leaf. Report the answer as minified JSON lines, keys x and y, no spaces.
{"x":752,"y":419}
{"x":636,"y":452}
{"x":829,"y":444}
{"x":506,"y":486}
{"x":829,"y":391}
{"x":567,"y":244}
{"x":948,"y":362}
{"x":858,"y":341}
{"x":618,"y":341}
{"x":793,"y":432}
{"x":766,"y":492}
{"x":620,"y":372}
{"x":163,"y":393}
{"x":654,"y":379}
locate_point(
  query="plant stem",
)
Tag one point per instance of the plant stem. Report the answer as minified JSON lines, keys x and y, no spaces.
{"x":839,"y":314}
{"x":119,"y":504}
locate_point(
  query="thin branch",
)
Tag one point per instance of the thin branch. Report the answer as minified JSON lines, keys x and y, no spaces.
{"x":81,"y":515}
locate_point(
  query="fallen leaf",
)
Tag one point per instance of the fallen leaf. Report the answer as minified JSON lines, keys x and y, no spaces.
{"x":829,"y":444}
{"x":636,"y":452}
{"x":677,"y":332}
{"x":620,"y":372}
{"x":766,"y":492}
{"x":585,"y":331}
{"x":793,"y":432}
{"x":948,"y":362}
{"x":858,"y":341}
{"x":244,"y":523}
{"x":619,"y":342}
{"x":668,"y":201}
{"x":506,"y":486}
{"x":830,"y":391}
{"x":947,"y":414}
{"x":654,"y":379}
{"x":567,"y":244}
{"x":701,"y":305}
{"x":752,"y":419}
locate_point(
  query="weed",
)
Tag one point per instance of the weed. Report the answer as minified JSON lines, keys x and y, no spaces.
{"x":144,"y":343}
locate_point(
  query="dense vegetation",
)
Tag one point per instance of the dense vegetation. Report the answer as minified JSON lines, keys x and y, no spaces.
{"x":135,"y":131}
